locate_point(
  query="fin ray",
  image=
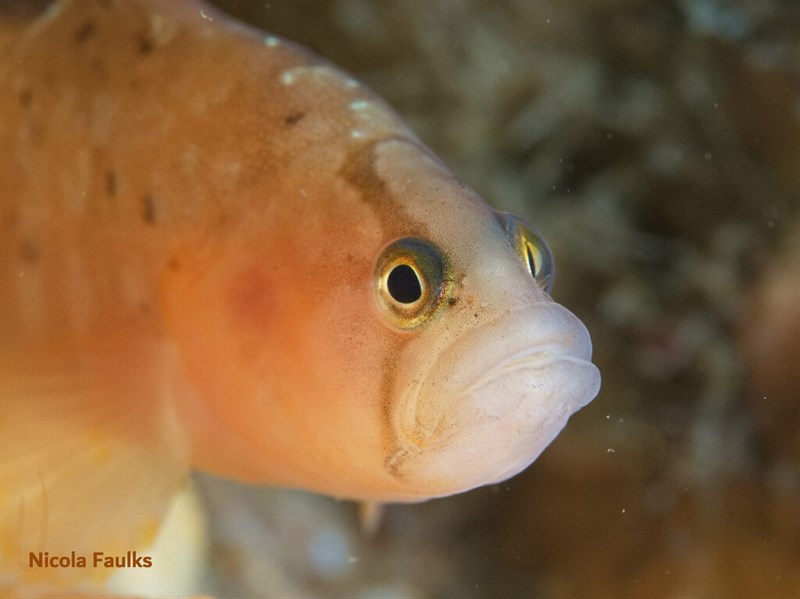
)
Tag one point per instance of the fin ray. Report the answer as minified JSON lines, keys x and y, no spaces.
{"x":90,"y":452}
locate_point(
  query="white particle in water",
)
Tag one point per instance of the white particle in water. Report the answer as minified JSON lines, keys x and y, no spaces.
{"x":329,"y":552}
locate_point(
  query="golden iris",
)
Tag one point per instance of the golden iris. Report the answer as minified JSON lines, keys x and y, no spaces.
{"x":411,"y":281}
{"x":530,"y":248}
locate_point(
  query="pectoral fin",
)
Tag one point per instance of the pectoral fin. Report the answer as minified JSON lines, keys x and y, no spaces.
{"x":370,"y":514}
{"x":90,"y":453}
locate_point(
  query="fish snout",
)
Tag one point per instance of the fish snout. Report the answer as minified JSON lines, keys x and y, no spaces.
{"x":513,"y":384}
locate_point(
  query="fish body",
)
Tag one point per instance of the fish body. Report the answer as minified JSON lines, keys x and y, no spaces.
{"x":221,"y":252}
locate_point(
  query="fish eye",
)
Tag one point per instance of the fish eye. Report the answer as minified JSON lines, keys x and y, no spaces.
{"x":530,"y":248}
{"x":410,"y":279}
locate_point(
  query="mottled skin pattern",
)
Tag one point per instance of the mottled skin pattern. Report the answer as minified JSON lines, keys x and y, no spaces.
{"x":191,"y":217}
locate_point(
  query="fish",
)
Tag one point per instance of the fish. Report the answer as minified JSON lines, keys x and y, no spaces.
{"x":222,"y":253}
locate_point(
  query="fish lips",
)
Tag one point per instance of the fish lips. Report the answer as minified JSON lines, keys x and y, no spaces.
{"x":497,"y":396}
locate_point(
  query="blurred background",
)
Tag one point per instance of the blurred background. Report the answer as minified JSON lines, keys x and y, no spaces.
{"x":656,"y":145}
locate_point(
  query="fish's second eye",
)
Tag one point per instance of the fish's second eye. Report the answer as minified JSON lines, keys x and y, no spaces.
{"x":530,"y":248}
{"x":410,"y":279}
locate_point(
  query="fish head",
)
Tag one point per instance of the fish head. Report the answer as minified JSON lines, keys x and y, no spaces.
{"x":389,"y":338}
{"x":488,"y":367}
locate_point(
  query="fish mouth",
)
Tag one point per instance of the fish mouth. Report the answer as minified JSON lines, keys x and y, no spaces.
{"x":501,"y":389}
{"x":497,"y":396}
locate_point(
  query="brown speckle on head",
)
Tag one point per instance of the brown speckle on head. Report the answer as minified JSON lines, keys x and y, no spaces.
{"x":293,"y":118}
{"x":85,"y":32}
{"x":111,"y":183}
{"x":25,"y":97}
{"x":149,"y":209}
{"x":28,"y":252}
{"x":145,"y":45}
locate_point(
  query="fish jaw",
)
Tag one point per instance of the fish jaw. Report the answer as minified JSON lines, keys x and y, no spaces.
{"x":511,"y":385}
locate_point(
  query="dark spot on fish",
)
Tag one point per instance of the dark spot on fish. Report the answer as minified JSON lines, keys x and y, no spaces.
{"x":111,"y":184}
{"x":28,"y":252}
{"x":25,"y":97}
{"x":85,"y":32}
{"x":452,"y":301}
{"x":145,"y":45}
{"x":149,"y":210}
{"x":293,"y":118}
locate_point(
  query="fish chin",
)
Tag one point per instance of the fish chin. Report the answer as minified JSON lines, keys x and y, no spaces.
{"x":493,"y":425}
{"x":498,"y":428}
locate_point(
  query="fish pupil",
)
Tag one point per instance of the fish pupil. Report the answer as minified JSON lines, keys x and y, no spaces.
{"x":404,"y":285}
{"x":531,"y":260}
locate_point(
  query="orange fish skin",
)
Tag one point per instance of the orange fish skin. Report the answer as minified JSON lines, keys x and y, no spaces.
{"x":156,"y":184}
{"x":199,"y":207}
